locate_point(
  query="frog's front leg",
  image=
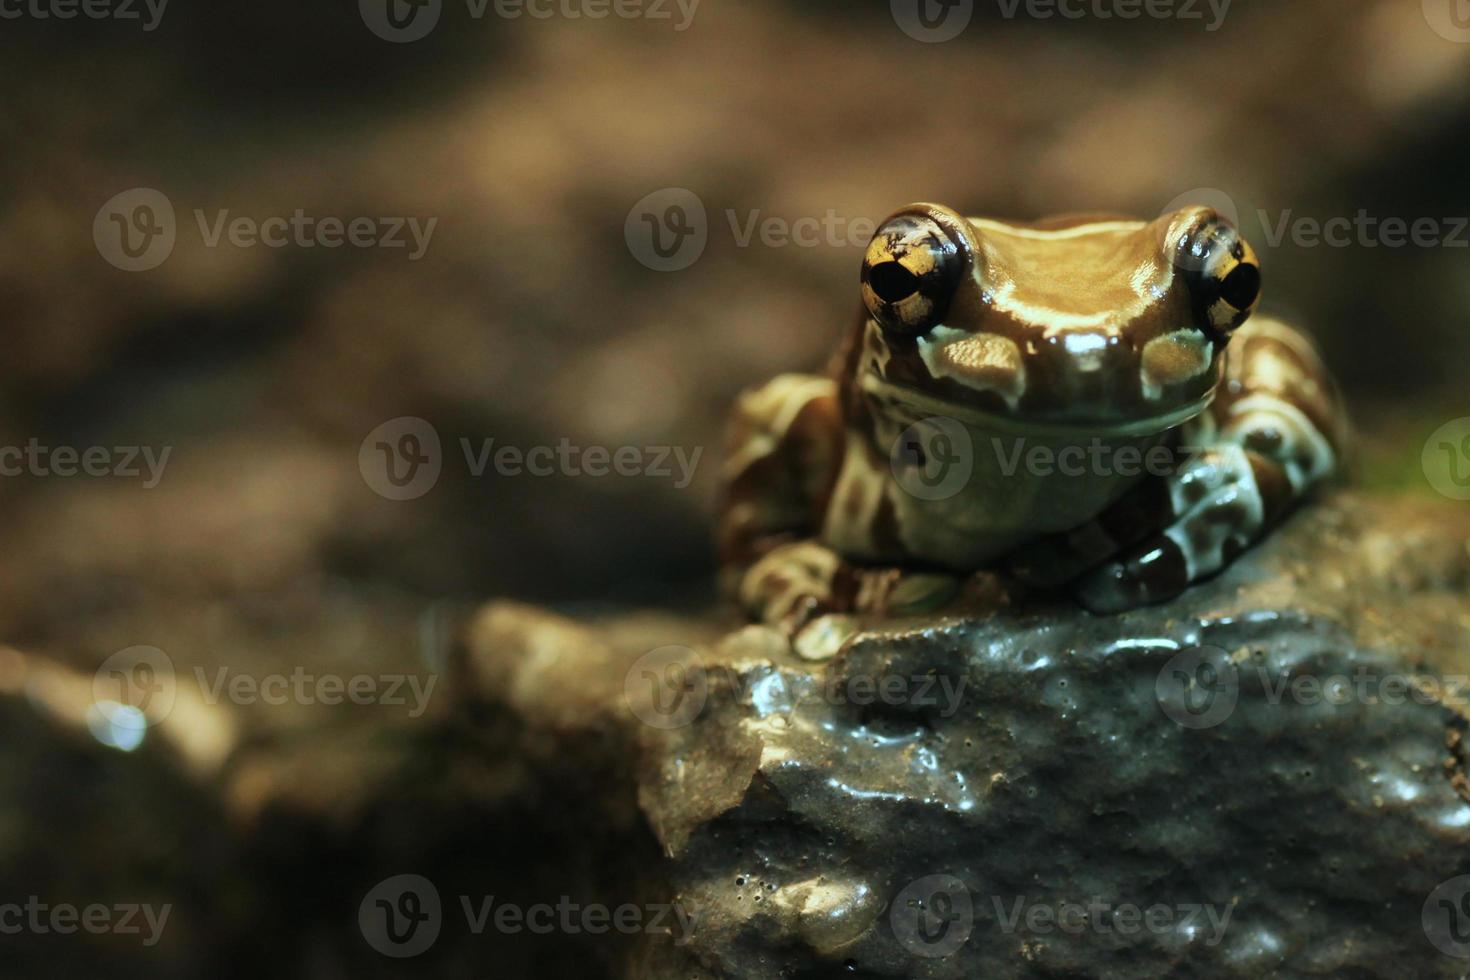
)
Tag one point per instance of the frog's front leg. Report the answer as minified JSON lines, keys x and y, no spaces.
{"x":1275,"y":432}
{"x":784,"y":451}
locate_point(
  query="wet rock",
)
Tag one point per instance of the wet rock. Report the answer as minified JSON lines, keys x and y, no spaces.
{"x":1265,"y":777}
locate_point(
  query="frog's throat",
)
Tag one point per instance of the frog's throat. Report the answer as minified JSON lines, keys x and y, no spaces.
{"x":934,"y":405}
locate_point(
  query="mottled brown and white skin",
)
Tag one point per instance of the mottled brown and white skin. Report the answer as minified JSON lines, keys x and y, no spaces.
{"x":1079,"y":402}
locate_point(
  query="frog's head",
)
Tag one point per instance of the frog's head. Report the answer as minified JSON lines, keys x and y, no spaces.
{"x":1109,"y":324}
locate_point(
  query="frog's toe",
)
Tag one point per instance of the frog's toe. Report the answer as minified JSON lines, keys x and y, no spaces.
{"x":1224,"y":510}
{"x":1156,"y":572}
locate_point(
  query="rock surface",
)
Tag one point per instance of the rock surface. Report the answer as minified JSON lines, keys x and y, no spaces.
{"x":1263,"y":778}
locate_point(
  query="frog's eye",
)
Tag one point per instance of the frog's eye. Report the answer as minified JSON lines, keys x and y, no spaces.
{"x":1221,"y":268}
{"x":910,"y":272}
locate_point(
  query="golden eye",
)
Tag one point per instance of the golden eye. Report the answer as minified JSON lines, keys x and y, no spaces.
{"x":910,"y":271}
{"x":1220,"y":269}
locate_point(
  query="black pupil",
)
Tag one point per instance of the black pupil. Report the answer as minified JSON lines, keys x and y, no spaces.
{"x":892,"y":282}
{"x":1242,"y":286}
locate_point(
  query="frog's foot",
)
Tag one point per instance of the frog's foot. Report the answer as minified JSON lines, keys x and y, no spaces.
{"x":792,"y":585}
{"x":1218,"y":503}
{"x":801,"y":581}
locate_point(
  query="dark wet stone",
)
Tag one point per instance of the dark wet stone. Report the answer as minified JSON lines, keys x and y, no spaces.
{"x":1263,"y":777}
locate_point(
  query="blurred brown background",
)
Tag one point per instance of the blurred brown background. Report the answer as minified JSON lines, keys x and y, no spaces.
{"x":529,"y":319}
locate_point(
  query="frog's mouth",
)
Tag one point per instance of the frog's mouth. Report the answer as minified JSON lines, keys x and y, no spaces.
{"x":935,"y":405}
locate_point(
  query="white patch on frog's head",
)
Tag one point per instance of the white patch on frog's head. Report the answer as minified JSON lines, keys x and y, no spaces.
{"x":982,"y":361}
{"x":1173,"y":359}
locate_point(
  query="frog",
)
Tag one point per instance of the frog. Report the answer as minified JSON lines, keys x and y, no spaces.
{"x":1085,"y":405}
